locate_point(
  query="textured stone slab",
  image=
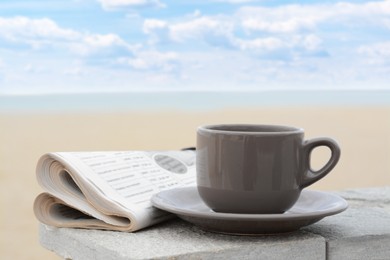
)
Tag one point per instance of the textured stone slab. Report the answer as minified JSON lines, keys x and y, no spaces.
{"x":377,"y":195}
{"x":178,"y":240}
{"x":362,"y":231}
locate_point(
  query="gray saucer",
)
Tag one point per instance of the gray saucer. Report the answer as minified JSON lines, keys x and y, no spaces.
{"x":311,"y":207}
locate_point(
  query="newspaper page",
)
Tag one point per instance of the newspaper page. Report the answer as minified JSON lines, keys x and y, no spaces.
{"x":109,"y":190}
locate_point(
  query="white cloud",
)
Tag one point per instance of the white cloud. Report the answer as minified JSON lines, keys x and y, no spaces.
{"x":101,"y":41}
{"x":90,"y":49}
{"x":312,"y":42}
{"x":92,"y":44}
{"x":44,"y":32}
{"x":278,"y":45}
{"x":265,"y":44}
{"x":294,"y":18}
{"x":150,"y":25}
{"x":366,"y":9}
{"x":119,"y":4}
{"x":24,"y":29}
{"x":151,"y":60}
{"x":158,"y":30}
{"x":213,"y":30}
{"x":222,"y":31}
{"x":254,"y":28}
{"x":201,"y":27}
{"x":272,"y":44}
{"x":378,"y":53}
{"x":378,"y":49}
{"x":284,"y":19}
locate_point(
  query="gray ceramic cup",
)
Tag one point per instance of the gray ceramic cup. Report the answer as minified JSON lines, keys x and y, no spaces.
{"x":259,"y":169}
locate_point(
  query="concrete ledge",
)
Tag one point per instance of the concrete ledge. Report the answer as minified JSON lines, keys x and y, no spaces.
{"x":361,"y":232}
{"x":178,"y":240}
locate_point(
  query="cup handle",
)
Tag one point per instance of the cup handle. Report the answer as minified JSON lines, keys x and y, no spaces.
{"x":310,"y":175}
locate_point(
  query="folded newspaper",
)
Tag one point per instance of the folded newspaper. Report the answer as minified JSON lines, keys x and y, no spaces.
{"x":108,"y":190}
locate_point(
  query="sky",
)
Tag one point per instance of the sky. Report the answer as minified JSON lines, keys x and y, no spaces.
{"x":67,"y":46}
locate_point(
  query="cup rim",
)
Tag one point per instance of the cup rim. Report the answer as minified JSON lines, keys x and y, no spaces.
{"x":254,"y":129}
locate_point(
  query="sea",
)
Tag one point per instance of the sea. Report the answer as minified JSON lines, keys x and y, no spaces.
{"x":189,"y":100}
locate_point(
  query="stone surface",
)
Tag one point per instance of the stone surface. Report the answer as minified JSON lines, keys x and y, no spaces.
{"x":363,"y":230}
{"x":177,"y":240}
{"x":360,"y":232}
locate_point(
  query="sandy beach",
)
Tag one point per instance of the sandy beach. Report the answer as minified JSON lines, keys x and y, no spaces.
{"x":362,"y":132}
